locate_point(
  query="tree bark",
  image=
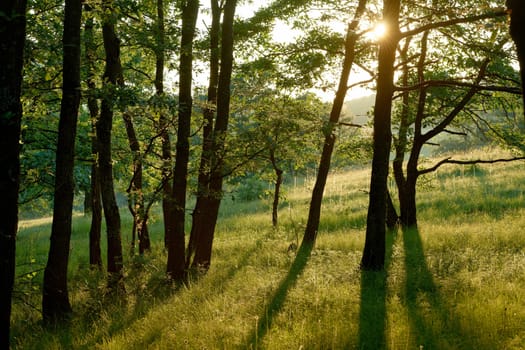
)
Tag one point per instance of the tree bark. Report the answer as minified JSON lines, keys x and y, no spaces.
{"x":374,"y":250}
{"x":112,"y":75}
{"x":164,"y":125}
{"x":517,"y":30}
{"x":210,"y":210}
{"x":203,"y":181}
{"x":55,"y":300}
{"x":401,"y":142}
{"x":392,"y":218}
{"x":314,"y":214}
{"x":175,"y":235}
{"x":95,"y":256}
{"x":135,"y":190}
{"x":276,"y":193}
{"x":12,"y":38}
{"x":407,"y":184}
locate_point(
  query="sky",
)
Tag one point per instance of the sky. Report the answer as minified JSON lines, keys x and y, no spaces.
{"x":284,"y":33}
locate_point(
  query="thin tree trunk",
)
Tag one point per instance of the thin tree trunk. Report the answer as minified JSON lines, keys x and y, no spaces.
{"x":401,"y":142}
{"x":175,"y":240}
{"x":95,"y":256}
{"x":314,"y":214}
{"x":112,"y":75}
{"x":206,"y":231}
{"x":12,"y":38}
{"x":135,"y":190}
{"x":374,"y":250}
{"x":276,"y":193}
{"x":164,"y":125}
{"x":203,"y":181}
{"x":55,"y":301}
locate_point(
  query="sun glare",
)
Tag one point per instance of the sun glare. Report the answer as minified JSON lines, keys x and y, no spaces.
{"x":378,"y":32}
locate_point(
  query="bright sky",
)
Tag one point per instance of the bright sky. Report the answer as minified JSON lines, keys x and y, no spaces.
{"x":285,"y":33}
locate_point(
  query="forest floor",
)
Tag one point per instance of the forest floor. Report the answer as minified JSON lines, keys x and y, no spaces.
{"x":456,"y":283}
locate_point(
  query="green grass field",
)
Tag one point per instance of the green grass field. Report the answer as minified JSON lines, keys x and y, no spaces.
{"x":457,"y":283}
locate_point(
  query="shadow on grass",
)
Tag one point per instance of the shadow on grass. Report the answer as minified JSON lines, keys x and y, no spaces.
{"x":279,"y":297}
{"x":432,"y":322}
{"x":372,"y":311}
{"x":156,"y":291}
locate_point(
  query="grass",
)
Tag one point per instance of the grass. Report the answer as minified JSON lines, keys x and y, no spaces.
{"x":456,"y":283}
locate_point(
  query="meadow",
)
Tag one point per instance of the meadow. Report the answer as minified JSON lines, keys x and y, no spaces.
{"x":458,"y":282}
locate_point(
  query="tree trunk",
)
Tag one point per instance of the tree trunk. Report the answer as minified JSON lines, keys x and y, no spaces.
{"x":135,"y":191}
{"x":95,"y":256}
{"x":276,"y":193}
{"x":203,"y":181}
{"x":401,"y":142}
{"x":407,"y":203}
{"x":205,"y":221}
{"x":374,"y":250}
{"x":205,"y":230}
{"x":176,"y":240}
{"x":391,"y":215}
{"x":314,"y":214}
{"x":517,"y":28}
{"x":112,"y":75}
{"x":164,"y":125}
{"x":55,"y":301}
{"x":12,"y":38}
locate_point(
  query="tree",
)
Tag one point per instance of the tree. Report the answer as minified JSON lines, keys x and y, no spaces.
{"x":437,"y":105}
{"x":95,"y":256}
{"x":12,"y":38}
{"x":175,"y":234}
{"x":274,"y":132}
{"x":55,"y":301}
{"x":373,"y":255}
{"x":439,"y":89}
{"x":204,"y":232}
{"x":112,"y":76}
{"x":374,"y":250}
{"x":203,"y":179}
{"x":135,"y":190}
{"x":314,"y":213}
{"x":163,"y":124}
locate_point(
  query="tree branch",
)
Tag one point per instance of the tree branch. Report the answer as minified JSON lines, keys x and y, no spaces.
{"x":499,"y":12}
{"x":451,"y":83}
{"x":466,"y":162}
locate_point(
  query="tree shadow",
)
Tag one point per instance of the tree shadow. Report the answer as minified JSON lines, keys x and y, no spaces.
{"x":430,"y":318}
{"x":372,"y":311}
{"x":155,"y":291}
{"x":276,"y":303}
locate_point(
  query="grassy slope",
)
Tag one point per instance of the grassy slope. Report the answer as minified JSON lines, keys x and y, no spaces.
{"x":458,"y":283}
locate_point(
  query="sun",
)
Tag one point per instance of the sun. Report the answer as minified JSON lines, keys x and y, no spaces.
{"x":377,"y":32}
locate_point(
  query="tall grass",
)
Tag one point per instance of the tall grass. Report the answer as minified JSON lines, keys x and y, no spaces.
{"x":456,"y":283}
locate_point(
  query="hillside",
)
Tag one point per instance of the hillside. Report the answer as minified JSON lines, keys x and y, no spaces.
{"x":457,"y":283}
{"x":358,"y":108}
